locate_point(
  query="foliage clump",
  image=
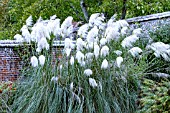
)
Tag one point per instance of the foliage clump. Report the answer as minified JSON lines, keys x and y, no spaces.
{"x":7,"y":93}
{"x":99,"y":75}
{"x":100,"y":72}
{"x":161,"y":32}
{"x":154,"y":96}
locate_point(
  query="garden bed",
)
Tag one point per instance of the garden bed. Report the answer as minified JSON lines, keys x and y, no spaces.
{"x":113,"y":70}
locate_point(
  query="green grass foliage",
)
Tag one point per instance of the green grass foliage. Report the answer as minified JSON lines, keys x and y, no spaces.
{"x":116,"y":90}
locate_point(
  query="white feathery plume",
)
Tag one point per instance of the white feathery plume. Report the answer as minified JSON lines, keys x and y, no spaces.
{"x":46,"y":33}
{"x":83,"y":30}
{"x":119,"y":60}
{"x":160,"y":49}
{"x":68,"y":51}
{"x":103,"y":41}
{"x":168,"y":51}
{"x":34,"y":61}
{"x":128,"y":41}
{"x":54,"y":79}
{"x":104,"y":64}
{"x":83,"y":63}
{"x":71,"y":86}
{"x":80,"y":57}
{"x":115,"y":26}
{"x":89,"y":45}
{"x":92,"y":34}
{"x":72,"y":60}
{"x":124,"y":31}
{"x":88,"y":72}
{"x":67,"y":27}
{"x":98,"y":22}
{"x":96,"y":51}
{"x":111,"y":34}
{"x":56,"y":29}
{"x":137,"y":31}
{"x":68,"y":43}
{"x":41,"y":60}
{"x":18,"y":38}
{"x":69,"y":30}
{"x":39,"y":30}
{"x":89,"y":55}
{"x":159,"y":46}
{"x":80,"y":44}
{"x":118,"y":52}
{"x":29,"y":21}
{"x":61,"y":67}
{"x":164,"y":75}
{"x":135,"y":51}
{"x":42,"y":30}
{"x":92,"y":82}
{"x":96,"y":19}
{"x":67,"y":23}
{"x":111,"y":20}
{"x":102,"y":26}
{"x":53,"y":17}
{"x":99,"y":19}
{"x":54,"y":26}
{"x":35,"y":34}
{"x":157,"y":54}
{"x":104,"y":51}
{"x":38,"y":50}
{"x":166,"y":56}
{"x":39,"y":19}
{"x":43,"y":44}
{"x":123,"y":23}
{"x":26,"y":34}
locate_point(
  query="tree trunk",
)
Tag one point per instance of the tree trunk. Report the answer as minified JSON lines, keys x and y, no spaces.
{"x":124,"y":9}
{"x":83,"y":7}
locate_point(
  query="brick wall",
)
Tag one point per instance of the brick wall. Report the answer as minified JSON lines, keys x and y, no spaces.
{"x":11,"y":63}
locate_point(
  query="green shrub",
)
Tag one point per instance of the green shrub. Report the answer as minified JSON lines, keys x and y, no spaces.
{"x":7,"y":93}
{"x":154,"y":96}
{"x":162,"y":33}
{"x":154,"y":93}
{"x":146,"y":7}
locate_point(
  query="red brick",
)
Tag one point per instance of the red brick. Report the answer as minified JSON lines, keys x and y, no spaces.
{"x":11,"y":63}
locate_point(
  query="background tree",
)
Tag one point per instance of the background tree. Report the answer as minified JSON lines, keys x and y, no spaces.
{"x":15,"y":12}
{"x":124,"y":9}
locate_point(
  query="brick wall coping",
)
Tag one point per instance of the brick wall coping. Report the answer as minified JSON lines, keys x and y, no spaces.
{"x":9,"y":43}
{"x":149,"y":17}
{"x":14,"y":43}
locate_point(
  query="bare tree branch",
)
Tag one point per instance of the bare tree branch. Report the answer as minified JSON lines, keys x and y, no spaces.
{"x":83,"y":7}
